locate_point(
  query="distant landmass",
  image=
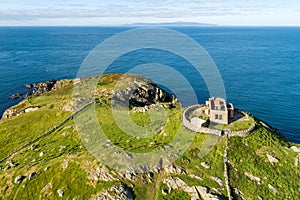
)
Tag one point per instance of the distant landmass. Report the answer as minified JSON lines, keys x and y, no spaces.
{"x":171,"y":24}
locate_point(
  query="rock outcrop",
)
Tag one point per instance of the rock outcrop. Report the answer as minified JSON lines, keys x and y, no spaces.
{"x":16,"y":96}
{"x":272,"y":159}
{"x":196,"y":192}
{"x":19,"y":179}
{"x":122,"y":192}
{"x":137,"y":91}
{"x":253,"y":178}
{"x":38,"y":89}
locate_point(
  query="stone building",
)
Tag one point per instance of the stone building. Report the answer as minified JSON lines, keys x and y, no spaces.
{"x":219,"y":111}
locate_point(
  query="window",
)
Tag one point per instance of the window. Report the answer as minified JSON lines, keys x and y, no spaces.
{"x":220,"y":117}
{"x":217,"y":116}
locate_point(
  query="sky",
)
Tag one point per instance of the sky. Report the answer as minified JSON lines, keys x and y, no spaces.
{"x":118,"y":12}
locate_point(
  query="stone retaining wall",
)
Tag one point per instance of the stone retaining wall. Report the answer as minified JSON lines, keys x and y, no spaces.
{"x":197,"y":127}
{"x":241,"y":133}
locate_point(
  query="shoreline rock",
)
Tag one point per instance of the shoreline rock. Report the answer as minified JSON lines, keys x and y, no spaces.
{"x":16,"y":96}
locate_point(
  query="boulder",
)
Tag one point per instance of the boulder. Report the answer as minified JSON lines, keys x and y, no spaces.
{"x":27,"y":110}
{"x":62,"y":148}
{"x":205,"y":165}
{"x":60,"y":193}
{"x":196,"y":177}
{"x":29,"y":86}
{"x":31,"y":175}
{"x":218,"y":180}
{"x":296,"y":149}
{"x":253,"y":178}
{"x":19,"y":179}
{"x":272,"y":159}
{"x":10,"y":163}
{"x":205,"y":194}
{"x":16,"y":96}
{"x":164,"y":192}
{"x":273,"y":189}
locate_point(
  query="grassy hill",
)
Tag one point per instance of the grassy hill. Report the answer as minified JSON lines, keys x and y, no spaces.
{"x":58,"y":166}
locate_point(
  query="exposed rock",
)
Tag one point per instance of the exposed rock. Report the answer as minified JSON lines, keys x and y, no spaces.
{"x":172,"y":169}
{"x":297,"y":160}
{"x":196,"y":192}
{"x":196,"y":177}
{"x":65,"y":164}
{"x":205,"y":165}
{"x":11,"y":112}
{"x":218,"y":180}
{"x":19,"y":179}
{"x":60,"y":193}
{"x":164,"y":192}
{"x":129,"y":155}
{"x":29,"y":86}
{"x":296,"y":149}
{"x":273,"y":189}
{"x":140,"y":92}
{"x":62,"y":148}
{"x":205,"y":194}
{"x":122,"y":192}
{"x":253,"y":178}
{"x":32,"y":147}
{"x":272,"y":159}
{"x":101,"y":174}
{"x":31,"y":175}
{"x":39,"y":88}
{"x":27,"y":110}
{"x":16,"y":96}
{"x":10,"y":163}
{"x":259,"y":197}
{"x":47,"y":187}
{"x":239,"y":193}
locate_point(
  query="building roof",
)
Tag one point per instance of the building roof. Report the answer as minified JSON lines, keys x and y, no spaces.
{"x":216,"y":103}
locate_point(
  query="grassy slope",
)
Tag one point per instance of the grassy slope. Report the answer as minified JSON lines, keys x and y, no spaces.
{"x":246,"y":154}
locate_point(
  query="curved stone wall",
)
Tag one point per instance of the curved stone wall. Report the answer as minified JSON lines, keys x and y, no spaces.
{"x":197,"y":127}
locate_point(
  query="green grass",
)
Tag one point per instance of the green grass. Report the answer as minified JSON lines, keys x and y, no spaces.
{"x":19,"y":130}
{"x":242,"y":125}
{"x":159,"y":128}
{"x":249,"y":155}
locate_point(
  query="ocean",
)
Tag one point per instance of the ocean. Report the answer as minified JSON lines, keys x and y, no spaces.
{"x":260,"y":66}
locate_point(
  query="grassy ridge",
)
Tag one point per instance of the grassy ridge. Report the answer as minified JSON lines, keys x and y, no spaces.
{"x":67,"y":165}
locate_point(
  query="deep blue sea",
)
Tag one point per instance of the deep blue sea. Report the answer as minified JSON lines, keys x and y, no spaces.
{"x":260,"y":66}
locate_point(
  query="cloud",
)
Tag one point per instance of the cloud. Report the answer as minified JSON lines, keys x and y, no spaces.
{"x":134,"y":10}
{"x":115,"y":10}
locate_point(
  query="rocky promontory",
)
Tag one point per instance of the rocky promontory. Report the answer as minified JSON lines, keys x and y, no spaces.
{"x":36,"y":90}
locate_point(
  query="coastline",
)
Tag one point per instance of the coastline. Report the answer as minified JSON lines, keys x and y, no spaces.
{"x":39,"y":88}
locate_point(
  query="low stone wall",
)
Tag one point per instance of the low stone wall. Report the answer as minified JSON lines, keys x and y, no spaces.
{"x":197,"y":127}
{"x":241,"y":133}
{"x":48,"y":132}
